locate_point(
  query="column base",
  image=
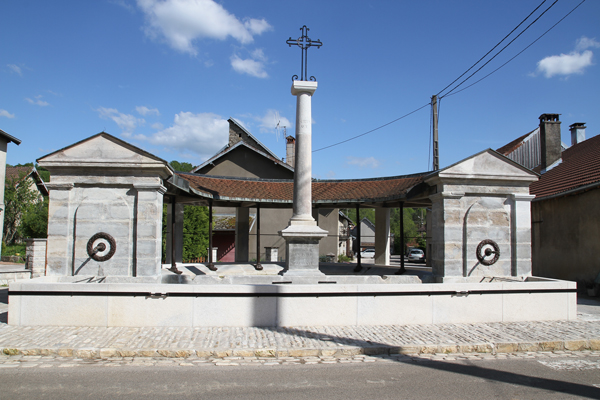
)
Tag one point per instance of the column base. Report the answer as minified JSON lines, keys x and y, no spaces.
{"x":302,"y":245}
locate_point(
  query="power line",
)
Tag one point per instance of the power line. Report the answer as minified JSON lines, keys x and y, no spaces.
{"x":497,"y":44}
{"x":498,"y":53}
{"x":452,"y":91}
{"x":372,"y":130}
{"x":519,"y":53}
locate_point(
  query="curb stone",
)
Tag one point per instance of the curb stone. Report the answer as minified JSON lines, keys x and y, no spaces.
{"x":332,"y":352}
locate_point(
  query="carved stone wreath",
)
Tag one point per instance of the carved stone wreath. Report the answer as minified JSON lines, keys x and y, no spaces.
{"x":485,"y":249}
{"x":96,"y":247}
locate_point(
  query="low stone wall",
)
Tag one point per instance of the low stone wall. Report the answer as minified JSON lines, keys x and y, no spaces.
{"x":6,"y":277}
{"x":45,"y":301}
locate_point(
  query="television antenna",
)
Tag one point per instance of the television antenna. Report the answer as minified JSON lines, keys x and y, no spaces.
{"x":279,"y":126}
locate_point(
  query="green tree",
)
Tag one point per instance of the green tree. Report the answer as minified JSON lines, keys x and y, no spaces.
{"x":35,"y":220}
{"x":181,"y":166}
{"x":18,"y":199}
{"x":195,"y":232}
{"x":195,"y":224}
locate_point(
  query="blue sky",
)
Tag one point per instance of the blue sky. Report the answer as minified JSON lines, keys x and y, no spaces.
{"x":165,"y":75}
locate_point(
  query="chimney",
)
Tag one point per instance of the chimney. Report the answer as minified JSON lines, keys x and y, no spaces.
{"x":235,"y":133}
{"x":550,"y":139}
{"x":577,"y":132}
{"x":290,"y":151}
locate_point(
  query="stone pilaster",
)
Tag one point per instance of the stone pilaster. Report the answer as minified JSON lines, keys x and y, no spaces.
{"x":60,"y":229}
{"x":148,"y":230}
{"x":447,"y":237}
{"x":521,"y":234}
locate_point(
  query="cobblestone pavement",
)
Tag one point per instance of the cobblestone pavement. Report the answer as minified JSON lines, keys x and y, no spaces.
{"x":317,"y":341}
{"x":558,"y":360}
{"x":311,"y":344}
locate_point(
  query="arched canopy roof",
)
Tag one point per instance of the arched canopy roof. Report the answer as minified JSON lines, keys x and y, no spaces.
{"x":272,"y":193}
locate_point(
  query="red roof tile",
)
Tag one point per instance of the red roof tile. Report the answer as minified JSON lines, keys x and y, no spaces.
{"x":580,"y":167}
{"x":265,"y":190}
{"x":17,"y":172}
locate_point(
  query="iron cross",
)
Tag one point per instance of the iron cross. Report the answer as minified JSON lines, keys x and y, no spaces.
{"x":304,"y":42}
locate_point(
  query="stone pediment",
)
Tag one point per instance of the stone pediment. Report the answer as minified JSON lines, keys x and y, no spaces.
{"x":103,"y":151}
{"x":486,"y":165}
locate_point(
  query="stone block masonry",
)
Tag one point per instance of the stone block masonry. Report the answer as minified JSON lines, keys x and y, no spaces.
{"x":35,"y":250}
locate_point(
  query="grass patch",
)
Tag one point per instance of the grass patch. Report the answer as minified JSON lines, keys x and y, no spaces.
{"x":13,"y":250}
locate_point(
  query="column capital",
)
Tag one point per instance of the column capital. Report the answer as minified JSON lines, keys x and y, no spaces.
{"x":522,"y":196}
{"x":150,"y":187}
{"x":299,"y":87}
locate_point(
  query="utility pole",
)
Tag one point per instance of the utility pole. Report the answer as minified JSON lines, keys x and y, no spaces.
{"x":436,"y":153}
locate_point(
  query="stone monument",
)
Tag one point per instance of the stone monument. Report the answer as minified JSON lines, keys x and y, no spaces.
{"x":302,"y":234}
{"x":105,"y":211}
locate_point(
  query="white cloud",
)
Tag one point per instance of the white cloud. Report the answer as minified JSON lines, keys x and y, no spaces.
{"x":269,"y":121}
{"x":15,"y":68}
{"x":37,"y":100}
{"x":363,"y":162}
{"x":584,"y":43}
{"x":254,"y":66}
{"x":204,"y":134}
{"x":122,"y":3}
{"x":126,"y":122}
{"x":143,"y":110}
{"x":567,"y":64}
{"x":4,"y":113}
{"x":257,"y":26}
{"x":158,"y":126}
{"x":180,"y":22}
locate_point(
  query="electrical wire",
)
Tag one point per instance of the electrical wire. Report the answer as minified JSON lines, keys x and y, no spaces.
{"x":498,"y":53}
{"x":373,"y":130}
{"x":519,"y":53}
{"x":497,"y":44}
{"x":452,"y":91}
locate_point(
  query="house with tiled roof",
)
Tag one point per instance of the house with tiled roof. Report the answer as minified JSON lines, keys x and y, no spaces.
{"x":27,"y":175}
{"x":565,"y":212}
{"x":247,"y":160}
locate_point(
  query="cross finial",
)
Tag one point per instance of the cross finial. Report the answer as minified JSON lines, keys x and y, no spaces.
{"x":304,"y":42}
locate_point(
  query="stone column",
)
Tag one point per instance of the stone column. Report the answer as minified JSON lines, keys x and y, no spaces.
{"x":521,"y":234}
{"x":382,"y":236}
{"x":303,"y":172}
{"x":429,"y":234}
{"x":178,"y":214}
{"x":302,"y":235}
{"x":242,"y":234}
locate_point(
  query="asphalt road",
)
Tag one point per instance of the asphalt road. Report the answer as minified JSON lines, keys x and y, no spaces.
{"x":555,"y":378}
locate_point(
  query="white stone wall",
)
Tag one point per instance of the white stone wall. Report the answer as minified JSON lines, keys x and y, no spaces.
{"x":129,"y":211}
